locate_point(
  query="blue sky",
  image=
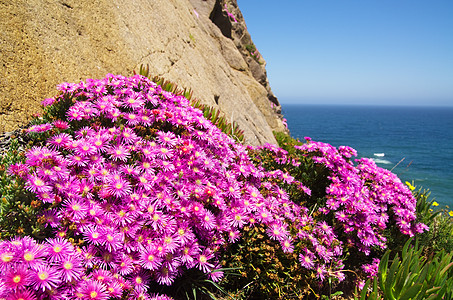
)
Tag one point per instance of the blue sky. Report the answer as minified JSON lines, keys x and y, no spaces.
{"x":355,"y":51}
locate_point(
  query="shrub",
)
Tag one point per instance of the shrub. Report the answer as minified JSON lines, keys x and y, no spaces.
{"x":440,"y":222}
{"x":356,"y":206}
{"x":146,"y":195}
{"x":141,"y":185}
{"x":19,"y":208}
{"x":413,"y":276}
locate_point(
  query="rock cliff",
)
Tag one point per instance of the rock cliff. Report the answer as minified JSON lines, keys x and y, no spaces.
{"x":200,"y":44}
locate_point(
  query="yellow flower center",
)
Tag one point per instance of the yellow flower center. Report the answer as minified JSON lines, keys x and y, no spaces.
{"x":68,"y":265}
{"x":38,"y":182}
{"x":43,"y":275}
{"x":28,"y":256}
{"x":203,"y":259}
{"x":6,"y":257}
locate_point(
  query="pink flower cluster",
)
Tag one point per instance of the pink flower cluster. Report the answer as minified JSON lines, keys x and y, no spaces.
{"x":361,"y":197}
{"x":147,"y":186}
{"x":233,"y":18}
{"x":53,"y":269}
{"x":317,"y":245}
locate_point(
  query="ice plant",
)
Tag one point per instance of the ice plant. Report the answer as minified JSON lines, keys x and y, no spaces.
{"x":138,"y":187}
{"x":349,"y":207}
{"x":146,"y":187}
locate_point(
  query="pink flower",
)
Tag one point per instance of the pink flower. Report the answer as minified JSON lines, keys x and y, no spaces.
{"x":278,"y":231}
{"x":125,"y":265}
{"x":7,"y":257}
{"x":165,"y":276}
{"x":70,"y":268}
{"x":149,"y":258}
{"x":59,"y":249}
{"x":18,"y":169}
{"x":287,"y":246}
{"x":40,"y":128}
{"x":16,"y":278}
{"x":307,"y":260}
{"x":112,"y":240}
{"x":203,"y":261}
{"x":94,"y":290}
{"x":93,"y":234}
{"x":45,"y":277}
{"x":48,"y":102}
{"x":33,"y":255}
{"x":140,"y":281}
{"x":85,"y":148}
{"x":118,"y":186}
{"x":119,"y":152}
{"x":76,"y":209}
{"x":22,"y":294}
{"x":60,"y":124}
{"x":37,"y":185}
{"x":167,"y":138}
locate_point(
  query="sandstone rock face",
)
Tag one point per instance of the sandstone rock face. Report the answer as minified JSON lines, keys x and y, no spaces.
{"x":199,"y":44}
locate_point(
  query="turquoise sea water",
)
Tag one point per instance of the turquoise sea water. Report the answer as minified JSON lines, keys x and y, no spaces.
{"x":416,"y":142}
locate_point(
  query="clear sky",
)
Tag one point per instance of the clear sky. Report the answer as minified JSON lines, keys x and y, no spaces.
{"x":355,"y":51}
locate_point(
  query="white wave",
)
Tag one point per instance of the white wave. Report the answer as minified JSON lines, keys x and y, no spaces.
{"x":381,"y":161}
{"x":379,"y":154}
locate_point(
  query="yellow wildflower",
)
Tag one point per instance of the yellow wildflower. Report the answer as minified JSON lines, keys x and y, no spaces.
{"x":435,"y":203}
{"x":450,"y":213}
{"x":411,"y":187}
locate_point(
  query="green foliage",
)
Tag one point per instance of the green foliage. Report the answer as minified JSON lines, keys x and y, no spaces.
{"x":412,"y":276}
{"x":251,"y":48}
{"x":192,"y":38}
{"x":194,"y":285}
{"x":231,"y":129}
{"x":266,"y":272}
{"x":212,"y":114}
{"x":18,"y":207}
{"x":440,"y":223}
{"x":286,"y":142}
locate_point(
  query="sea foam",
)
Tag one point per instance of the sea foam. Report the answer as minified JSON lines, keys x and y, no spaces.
{"x":381,"y":161}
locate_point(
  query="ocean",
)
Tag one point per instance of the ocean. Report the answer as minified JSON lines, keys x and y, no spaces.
{"x":416,"y":143}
